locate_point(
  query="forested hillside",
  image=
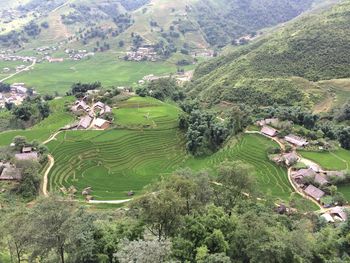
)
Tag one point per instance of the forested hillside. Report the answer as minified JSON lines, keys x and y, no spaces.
{"x":226,"y":20}
{"x":314,"y":48}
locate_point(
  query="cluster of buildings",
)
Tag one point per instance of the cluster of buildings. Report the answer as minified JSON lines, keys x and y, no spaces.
{"x":293,"y":139}
{"x":78,"y":54}
{"x":142,"y":54}
{"x":15,"y":96}
{"x":206,"y":53}
{"x":9,"y":172}
{"x":309,"y":180}
{"x":93,"y":116}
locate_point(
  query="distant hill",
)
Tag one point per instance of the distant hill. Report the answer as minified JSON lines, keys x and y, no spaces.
{"x":311,"y":48}
{"x":181,"y":25}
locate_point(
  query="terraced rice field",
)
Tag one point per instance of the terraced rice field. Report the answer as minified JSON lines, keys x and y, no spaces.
{"x":116,"y":161}
{"x":252,"y":149}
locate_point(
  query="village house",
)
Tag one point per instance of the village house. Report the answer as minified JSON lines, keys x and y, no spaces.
{"x":100,"y":108}
{"x":335,"y":214}
{"x":296,"y":140}
{"x":320,"y":179}
{"x":266,"y":130}
{"x":290,"y":158}
{"x":101,"y":124}
{"x":299,"y":175}
{"x":80,"y":106}
{"x":31,"y":156}
{"x":84,"y":122}
{"x":27,"y":149}
{"x":9,"y":172}
{"x":314,"y":192}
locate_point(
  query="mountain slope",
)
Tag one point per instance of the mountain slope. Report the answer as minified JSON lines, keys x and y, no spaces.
{"x":189,"y":24}
{"x":314,"y":47}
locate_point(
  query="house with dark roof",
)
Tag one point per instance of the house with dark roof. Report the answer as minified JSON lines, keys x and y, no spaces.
{"x":296,"y":140}
{"x":314,"y":192}
{"x":269,"y":131}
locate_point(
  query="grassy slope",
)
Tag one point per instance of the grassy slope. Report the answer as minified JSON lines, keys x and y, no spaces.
{"x":44,"y":129}
{"x":313,"y":47}
{"x":116,"y":161}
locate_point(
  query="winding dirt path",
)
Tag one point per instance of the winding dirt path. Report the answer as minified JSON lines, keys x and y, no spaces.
{"x":51,"y":164}
{"x":20,"y":71}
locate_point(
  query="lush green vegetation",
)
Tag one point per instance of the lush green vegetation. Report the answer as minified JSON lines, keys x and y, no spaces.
{"x":42,"y":131}
{"x":313,"y":47}
{"x":146,"y":146}
{"x":225,"y":21}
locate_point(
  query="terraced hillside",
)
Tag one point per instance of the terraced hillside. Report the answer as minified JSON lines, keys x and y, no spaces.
{"x":148,"y":145}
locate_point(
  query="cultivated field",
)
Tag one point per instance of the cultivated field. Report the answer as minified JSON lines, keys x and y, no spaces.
{"x":336,"y":160}
{"x":148,"y":145}
{"x":107,"y":68}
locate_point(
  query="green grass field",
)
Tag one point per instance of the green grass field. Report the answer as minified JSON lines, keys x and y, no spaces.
{"x":108,"y":69}
{"x":116,"y":161}
{"x":336,"y":160}
{"x":42,"y":131}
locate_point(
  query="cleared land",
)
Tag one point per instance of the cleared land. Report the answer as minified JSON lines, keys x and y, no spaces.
{"x":148,"y":146}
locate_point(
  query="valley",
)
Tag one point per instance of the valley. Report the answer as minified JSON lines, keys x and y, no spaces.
{"x":211,"y":131}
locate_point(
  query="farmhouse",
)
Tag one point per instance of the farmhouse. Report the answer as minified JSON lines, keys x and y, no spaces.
{"x":299,"y":175}
{"x":339,"y":213}
{"x":296,"y":140}
{"x":290,"y":158}
{"x":101,"y":108}
{"x":26,"y":149}
{"x":80,"y":106}
{"x":84,"y":122}
{"x":314,"y":192}
{"x":9,"y":172}
{"x":101,"y":124}
{"x":32,"y":156}
{"x":269,"y":131}
{"x":320,"y":179}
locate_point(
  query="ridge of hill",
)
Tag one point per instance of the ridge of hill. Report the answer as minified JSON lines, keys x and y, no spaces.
{"x":189,"y":24}
{"x":310,"y":49}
